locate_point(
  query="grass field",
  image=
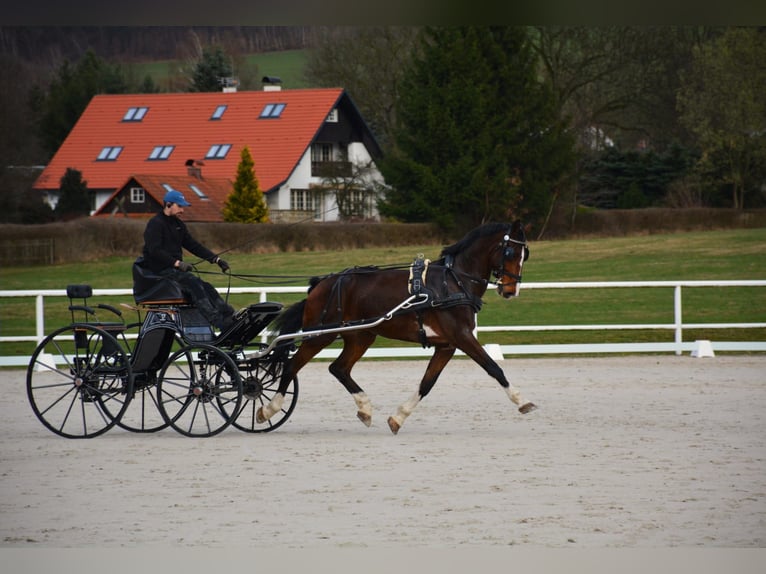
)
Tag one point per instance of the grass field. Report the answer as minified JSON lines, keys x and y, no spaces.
{"x":287,"y":65}
{"x":712,"y":255}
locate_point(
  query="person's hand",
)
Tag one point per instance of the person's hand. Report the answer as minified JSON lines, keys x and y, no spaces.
{"x":222,"y":264}
{"x":184,"y":266}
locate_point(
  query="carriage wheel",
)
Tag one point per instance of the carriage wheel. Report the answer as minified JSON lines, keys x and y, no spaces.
{"x":79,"y":381}
{"x":260,"y":383}
{"x":143,"y":413}
{"x":198,"y":388}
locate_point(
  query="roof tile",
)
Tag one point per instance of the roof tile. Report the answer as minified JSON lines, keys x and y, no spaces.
{"x":183,"y":120}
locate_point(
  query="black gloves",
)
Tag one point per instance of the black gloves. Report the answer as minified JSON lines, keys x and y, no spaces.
{"x":222,"y":264}
{"x":184,"y":266}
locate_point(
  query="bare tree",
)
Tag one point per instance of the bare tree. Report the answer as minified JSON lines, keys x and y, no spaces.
{"x":369,"y":62}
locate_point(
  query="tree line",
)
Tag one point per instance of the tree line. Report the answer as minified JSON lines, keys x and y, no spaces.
{"x":477,"y":122}
{"x":49,"y":45}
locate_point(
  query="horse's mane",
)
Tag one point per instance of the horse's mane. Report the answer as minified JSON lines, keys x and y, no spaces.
{"x":478,"y":233}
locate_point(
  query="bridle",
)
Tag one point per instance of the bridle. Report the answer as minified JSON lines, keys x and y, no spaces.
{"x":510,"y":247}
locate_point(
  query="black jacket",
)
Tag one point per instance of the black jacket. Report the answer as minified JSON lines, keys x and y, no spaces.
{"x":165,"y":238}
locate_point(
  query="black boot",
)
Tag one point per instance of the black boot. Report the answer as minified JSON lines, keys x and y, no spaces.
{"x":209,"y":312}
{"x":225,"y":313}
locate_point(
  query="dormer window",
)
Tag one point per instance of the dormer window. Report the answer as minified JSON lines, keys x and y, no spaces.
{"x":109,"y":153}
{"x":218,"y":113}
{"x":218,"y":151}
{"x":135,"y":114}
{"x":161,"y":152}
{"x":271,"y":111}
{"x":201,"y":194}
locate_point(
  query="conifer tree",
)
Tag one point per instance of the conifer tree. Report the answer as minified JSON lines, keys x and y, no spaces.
{"x":74,"y":199}
{"x":479,"y":137}
{"x":245,"y":203}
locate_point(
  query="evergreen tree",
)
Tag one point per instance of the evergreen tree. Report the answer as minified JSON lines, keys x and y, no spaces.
{"x":212,"y":66}
{"x":479,"y":137}
{"x":74,"y":199}
{"x":70,"y":93}
{"x":245,"y":203}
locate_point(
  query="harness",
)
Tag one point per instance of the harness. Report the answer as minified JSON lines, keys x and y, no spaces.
{"x":433,"y":281}
{"x":438,"y":297}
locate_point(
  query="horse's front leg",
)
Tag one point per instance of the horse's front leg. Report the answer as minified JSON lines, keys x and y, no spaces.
{"x":436,"y":365}
{"x":471,"y":347}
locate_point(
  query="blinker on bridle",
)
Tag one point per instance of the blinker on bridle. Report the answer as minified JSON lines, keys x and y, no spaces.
{"x":509,"y":252}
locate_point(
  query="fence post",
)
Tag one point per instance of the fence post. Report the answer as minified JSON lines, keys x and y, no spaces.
{"x":39,"y":319}
{"x":678,"y":319}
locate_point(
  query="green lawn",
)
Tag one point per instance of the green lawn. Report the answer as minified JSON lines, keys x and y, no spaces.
{"x":715,"y":255}
{"x":288,"y":65}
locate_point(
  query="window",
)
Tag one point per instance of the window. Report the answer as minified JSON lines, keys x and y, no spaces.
{"x":161,"y":152}
{"x":218,"y":113}
{"x":109,"y":153}
{"x":321,"y":152}
{"x":137,"y":195}
{"x":135,"y":114}
{"x":272,"y":110}
{"x":198,"y":191}
{"x":361,"y":203}
{"x":332,"y":117}
{"x":306,"y":200}
{"x":218,"y":151}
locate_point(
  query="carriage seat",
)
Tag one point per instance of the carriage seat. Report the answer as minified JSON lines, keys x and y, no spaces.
{"x":150,"y":288}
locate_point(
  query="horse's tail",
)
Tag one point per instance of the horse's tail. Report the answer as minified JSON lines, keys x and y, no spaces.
{"x":291,"y":319}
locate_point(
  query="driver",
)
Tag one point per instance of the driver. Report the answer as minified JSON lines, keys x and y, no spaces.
{"x":165,"y":237}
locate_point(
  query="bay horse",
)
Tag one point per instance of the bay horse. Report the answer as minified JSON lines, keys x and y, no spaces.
{"x":450,"y":290}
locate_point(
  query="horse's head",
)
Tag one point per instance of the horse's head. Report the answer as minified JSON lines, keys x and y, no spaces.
{"x":508,"y":257}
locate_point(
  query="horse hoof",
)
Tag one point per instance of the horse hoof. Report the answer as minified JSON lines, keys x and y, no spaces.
{"x":527,"y":408}
{"x":393,"y":425}
{"x":259,"y":418}
{"x":364,"y":417}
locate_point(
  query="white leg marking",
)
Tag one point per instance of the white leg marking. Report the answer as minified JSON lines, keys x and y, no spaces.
{"x":274,"y":406}
{"x":364,"y":407}
{"x":406,"y":408}
{"x":515,"y":397}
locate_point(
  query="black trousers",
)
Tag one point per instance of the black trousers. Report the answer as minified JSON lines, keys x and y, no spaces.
{"x":204,"y":296}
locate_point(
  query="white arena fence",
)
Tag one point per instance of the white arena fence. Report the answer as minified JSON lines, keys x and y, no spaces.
{"x":677,"y":346}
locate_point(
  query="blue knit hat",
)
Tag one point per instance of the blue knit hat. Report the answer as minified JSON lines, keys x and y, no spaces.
{"x":174,"y":196}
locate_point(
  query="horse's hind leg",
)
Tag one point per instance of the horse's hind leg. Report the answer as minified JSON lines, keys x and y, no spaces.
{"x":308,"y":349}
{"x":436,"y":365}
{"x":354,"y":346}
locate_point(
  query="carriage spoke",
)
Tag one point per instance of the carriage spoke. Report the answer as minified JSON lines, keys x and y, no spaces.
{"x":200,"y":390}
{"x":85,"y":398}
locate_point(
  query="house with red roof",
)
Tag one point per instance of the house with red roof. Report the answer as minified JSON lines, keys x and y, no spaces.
{"x":131,"y":148}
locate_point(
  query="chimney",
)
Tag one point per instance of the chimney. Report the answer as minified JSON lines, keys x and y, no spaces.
{"x":193,"y":168}
{"x":228,"y":84}
{"x":271,"y":84}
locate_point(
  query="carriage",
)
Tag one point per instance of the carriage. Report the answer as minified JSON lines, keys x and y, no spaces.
{"x":87,"y":377}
